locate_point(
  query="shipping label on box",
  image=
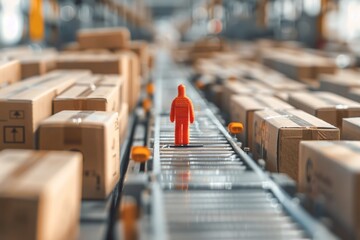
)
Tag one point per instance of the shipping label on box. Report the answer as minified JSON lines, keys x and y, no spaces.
{"x":329,"y":107}
{"x":40,"y":194}
{"x":24,"y":104}
{"x":277,"y":134}
{"x":329,"y":171}
{"x":96,"y":135}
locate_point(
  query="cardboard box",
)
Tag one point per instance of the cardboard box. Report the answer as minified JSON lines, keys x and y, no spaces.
{"x":141,"y":48}
{"x":24,"y":104}
{"x":40,"y":194}
{"x":351,"y":129}
{"x":97,"y":63}
{"x":240,"y":88}
{"x":330,"y":171}
{"x":9,"y":72}
{"x":341,"y":82}
{"x":124,"y":63}
{"x":96,"y":135}
{"x":96,"y":97}
{"x":297,"y":64}
{"x":123,"y":121}
{"x":110,"y":38}
{"x":244,"y":107}
{"x":34,"y":65}
{"x":131,"y":71}
{"x":327,"y":106}
{"x":106,"y":80}
{"x":277,"y":134}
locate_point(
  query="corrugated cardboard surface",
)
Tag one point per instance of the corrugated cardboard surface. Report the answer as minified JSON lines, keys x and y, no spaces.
{"x":329,"y":107}
{"x":97,"y":63}
{"x":96,"y":135}
{"x":244,"y":107}
{"x":123,"y":121}
{"x":330,"y":170}
{"x":131,"y":71}
{"x":106,"y":80}
{"x":277,"y":134}
{"x":24,"y":104}
{"x":141,"y":48}
{"x":81,"y":97}
{"x":9,"y":72}
{"x":40,"y":194}
{"x":351,"y":129}
{"x":298,"y":65}
{"x":341,"y":82}
{"x":34,"y":65}
{"x":238,"y":88}
{"x":110,"y":38}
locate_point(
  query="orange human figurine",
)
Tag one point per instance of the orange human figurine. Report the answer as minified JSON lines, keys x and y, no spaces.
{"x":182,"y":112}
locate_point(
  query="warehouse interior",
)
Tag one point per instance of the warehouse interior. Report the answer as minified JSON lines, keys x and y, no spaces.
{"x":191,"y":119}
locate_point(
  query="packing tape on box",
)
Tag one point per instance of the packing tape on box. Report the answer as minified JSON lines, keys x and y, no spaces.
{"x":72,"y":134}
{"x":295,"y":119}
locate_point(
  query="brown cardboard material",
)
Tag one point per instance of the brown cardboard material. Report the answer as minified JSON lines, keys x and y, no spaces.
{"x":40,"y":194}
{"x":97,"y":63}
{"x":106,"y":80}
{"x":341,"y":82}
{"x":97,"y":97}
{"x":24,"y":104}
{"x":351,"y":129}
{"x":238,"y":88}
{"x":34,"y":65}
{"x":297,"y":64}
{"x":330,"y":171}
{"x":124,"y":63}
{"x":131,"y":71}
{"x":123,"y":121}
{"x":329,"y":107}
{"x":141,"y":48}
{"x":110,"y":38}
{"x":96,"y":135}
{"x":244,"y":107}
{"x":277,"y":134}
{"x":9,"y":72}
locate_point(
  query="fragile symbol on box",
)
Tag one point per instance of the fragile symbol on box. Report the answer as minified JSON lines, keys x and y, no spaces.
{"x":17,"y":114}
{"x":14,"y":134}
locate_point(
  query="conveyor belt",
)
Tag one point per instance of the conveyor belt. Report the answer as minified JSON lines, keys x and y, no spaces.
{"x":214,"y":191}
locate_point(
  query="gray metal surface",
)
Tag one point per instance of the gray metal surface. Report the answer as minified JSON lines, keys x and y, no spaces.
{"x":215,"y":191}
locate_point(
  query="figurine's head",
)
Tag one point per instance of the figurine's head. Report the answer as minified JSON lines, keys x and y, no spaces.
{"x":181,"y":90}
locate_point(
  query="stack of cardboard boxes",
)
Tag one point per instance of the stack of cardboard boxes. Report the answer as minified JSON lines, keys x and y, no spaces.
{"x":81,"y":107}
{"x":299,"y":136}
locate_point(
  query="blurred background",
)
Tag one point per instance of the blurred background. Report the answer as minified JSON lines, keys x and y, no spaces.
{"x":315,"y":23}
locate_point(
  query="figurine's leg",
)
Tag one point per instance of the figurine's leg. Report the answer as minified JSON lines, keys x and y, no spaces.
{"x":178,"y":133}
{"x":185,"y":139}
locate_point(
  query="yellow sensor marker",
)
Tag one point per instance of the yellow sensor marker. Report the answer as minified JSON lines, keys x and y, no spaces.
{"x":235,"y":127}
{"x":140,"y":154}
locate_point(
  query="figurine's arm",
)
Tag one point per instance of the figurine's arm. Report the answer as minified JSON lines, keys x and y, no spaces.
{"x":192,"y":114}
{"x":172,"y":112}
